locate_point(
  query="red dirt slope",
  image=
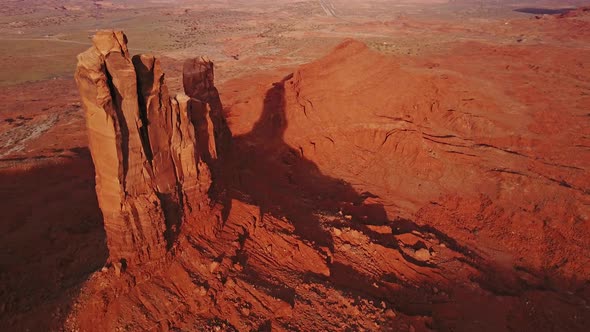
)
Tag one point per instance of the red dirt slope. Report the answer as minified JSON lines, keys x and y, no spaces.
{"x":416,"y":135}
{"x":365,"y":192}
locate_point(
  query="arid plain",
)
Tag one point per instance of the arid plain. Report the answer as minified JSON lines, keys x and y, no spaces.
{"x":393,"y":166}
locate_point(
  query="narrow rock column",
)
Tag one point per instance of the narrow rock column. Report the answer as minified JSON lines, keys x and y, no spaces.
{"x":195,"y":179}
{"x":156,"y":127}
{"x":198,"y":80}
{"x":150,"y":176}
{"x":107,"y":84}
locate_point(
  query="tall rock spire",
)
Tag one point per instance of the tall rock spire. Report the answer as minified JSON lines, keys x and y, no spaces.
{"x":198,"y":80}
{"x":150,"y":173}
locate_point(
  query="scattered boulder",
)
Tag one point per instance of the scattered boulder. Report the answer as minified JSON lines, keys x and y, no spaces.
{"x":422,"y":255}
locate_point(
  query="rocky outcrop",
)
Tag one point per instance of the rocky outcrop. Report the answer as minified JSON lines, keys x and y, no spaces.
{"x":150,"y":170}
{"x":198,"y":81}
{"x":324,"y":171}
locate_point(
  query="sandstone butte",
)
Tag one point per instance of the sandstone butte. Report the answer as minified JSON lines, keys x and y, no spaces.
{"x":360,"y":191}
{"x":149,"y":149}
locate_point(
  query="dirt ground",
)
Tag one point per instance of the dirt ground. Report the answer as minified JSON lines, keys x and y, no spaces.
{"x":415,"y":166}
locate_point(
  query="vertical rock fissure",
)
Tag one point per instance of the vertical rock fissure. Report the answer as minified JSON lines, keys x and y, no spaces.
{"x":143,"y":116}
{"x":123,"y":137}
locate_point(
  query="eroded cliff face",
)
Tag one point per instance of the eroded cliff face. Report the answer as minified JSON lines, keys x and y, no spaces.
{"x":146,"y":147}
{"x":323,"y":214}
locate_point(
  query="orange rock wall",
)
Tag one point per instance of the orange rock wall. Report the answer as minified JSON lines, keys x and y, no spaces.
{"x":150,"y":173}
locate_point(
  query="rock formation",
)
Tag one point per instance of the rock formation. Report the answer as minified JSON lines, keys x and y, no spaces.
{"x":198,"y":81}
{"x":146,"y":146}
{"x":331,"y":219}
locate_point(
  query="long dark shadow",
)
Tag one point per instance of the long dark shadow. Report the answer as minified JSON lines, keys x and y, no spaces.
{"x":267,"y":172}
{"x":51,"y":239}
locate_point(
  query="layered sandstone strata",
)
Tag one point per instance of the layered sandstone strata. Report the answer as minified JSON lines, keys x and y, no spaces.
{"x":151,"y":174}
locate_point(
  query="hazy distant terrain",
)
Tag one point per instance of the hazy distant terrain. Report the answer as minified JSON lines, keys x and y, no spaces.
{"x":224,"y":29}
